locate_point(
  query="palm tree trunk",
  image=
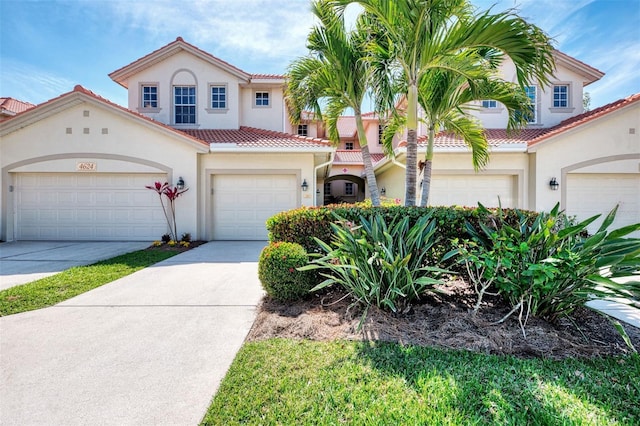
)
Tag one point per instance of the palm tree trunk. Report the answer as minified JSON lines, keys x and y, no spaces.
{"x":368,"y":165}
{"x":426,"y":177}
{"x":412,"y":145}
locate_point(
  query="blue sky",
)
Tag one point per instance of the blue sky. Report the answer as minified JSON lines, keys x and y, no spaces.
{"x":47,"y":47}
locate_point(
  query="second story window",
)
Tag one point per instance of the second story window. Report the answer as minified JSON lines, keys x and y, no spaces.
{"x":561,"y":96}
{"x":380,"y":133}
{"x":348,"y":188}
{"x":303,"y":130}
{"x":348,"y":146}
{"x":532,"y":112}
{"x":149,"y":96}
{"x":262,"y":99}
{"x":218,"y":97}
{"x":489,"y":104}
{"x":184,"y":104}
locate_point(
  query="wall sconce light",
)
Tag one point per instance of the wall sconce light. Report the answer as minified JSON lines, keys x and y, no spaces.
{"x":180,"y":184}
{"x":383,"y":191}
{"x":304,"y":185}
{"x":553,"y":184}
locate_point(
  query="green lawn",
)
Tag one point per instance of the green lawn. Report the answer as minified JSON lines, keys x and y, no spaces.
{"x":293,"y":382}
{"x":77,"y":280}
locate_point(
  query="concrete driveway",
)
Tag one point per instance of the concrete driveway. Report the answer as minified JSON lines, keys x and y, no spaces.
{"x":25,"y":261}
{"x":148,"y":349}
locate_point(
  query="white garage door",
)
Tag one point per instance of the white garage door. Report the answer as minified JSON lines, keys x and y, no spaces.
{"x":468,"y":190}
{"x":243,"y":203}
{"x":592,"y":194}
{"x":91,"y":206}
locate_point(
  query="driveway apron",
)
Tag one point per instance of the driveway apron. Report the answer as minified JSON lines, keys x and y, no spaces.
{"x":25,"y":261}
{"x":148,"y":349}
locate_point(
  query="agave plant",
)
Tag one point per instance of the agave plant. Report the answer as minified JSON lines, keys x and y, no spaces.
{"x":378,"y":263}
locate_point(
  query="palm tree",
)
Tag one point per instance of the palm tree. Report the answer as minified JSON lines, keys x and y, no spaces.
{"x":421,"y":35}
{"x":332,"y":78}
{"x":446,"y":98}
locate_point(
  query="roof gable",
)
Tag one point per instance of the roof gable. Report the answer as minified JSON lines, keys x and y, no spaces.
{"x":589,"y":73}
{"x":122,"y":75}
{"x":79,"y":95}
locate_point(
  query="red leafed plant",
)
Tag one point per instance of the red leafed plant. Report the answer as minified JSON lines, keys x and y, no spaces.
{"x":172,"y":193}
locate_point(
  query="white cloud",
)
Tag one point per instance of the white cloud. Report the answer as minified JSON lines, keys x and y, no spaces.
{"x":270,"y":28}
{"x":31,"y":84}
{"x":622,"y":79}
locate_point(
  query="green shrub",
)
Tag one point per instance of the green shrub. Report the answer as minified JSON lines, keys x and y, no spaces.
{"x":380,"y":264}
{"x":277,"y":270}
{"x":551,"y":267}
{"x":302,"y":225}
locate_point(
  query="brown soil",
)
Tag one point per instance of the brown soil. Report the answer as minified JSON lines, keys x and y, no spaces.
{"x":443,"y":320}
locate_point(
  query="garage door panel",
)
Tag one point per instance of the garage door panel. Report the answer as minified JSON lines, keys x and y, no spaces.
{"x":70,"y":206}
{"x":241,"y":213}
{"x":592,"y":194}
{"x":468,"y":190}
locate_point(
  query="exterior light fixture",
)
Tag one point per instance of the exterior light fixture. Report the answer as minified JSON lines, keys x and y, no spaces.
{"x":553,"y":184}
{"x":180,"y":184}
{"x":383,"y":191}
{"x":304,"y":185}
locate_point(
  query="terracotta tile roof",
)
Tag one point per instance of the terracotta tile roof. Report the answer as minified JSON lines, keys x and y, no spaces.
{"x":584,"y":118}
{"x":495,"y":138}
{"x":498,"y":137}
{"x":347,"y":127}
{"x":79,"y":89}
{"x":267,"y":76}
{"x":249,"y":137}
{"x":120,"y":74}
{"x":11,"y":106}
{"x":354,"y":157}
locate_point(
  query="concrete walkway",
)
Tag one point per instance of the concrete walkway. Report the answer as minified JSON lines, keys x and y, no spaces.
{"x":25,"y":261}
{"x":148,"y":349}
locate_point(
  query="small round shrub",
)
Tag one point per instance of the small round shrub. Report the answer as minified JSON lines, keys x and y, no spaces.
{"x":278,"y":274}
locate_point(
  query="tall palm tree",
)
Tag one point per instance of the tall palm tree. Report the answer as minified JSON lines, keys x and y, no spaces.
{"x":446,"y":99}
{"x":332,"y":78}
{"x":421,"y":35}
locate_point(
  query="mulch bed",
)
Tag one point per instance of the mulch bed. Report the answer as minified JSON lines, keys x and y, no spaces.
{"x":444,"y":320}
{"x":176,"y":248}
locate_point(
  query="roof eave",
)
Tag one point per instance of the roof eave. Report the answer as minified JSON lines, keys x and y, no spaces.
{"x":590,"y":73}
{"x":216,"y":148}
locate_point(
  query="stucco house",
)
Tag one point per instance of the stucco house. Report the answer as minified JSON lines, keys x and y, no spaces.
{"x":592,"y":157}
{"x":76,"y":167}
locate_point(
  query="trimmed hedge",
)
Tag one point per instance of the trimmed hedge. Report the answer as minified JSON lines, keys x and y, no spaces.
{"x":277,"y":270}
{"x":301,"y":225}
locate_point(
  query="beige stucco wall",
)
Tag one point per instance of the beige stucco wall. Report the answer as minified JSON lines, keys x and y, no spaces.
{"x":516,"y":164}
{"x":606,"y":145}
{"x":547,"y":115}
{"x":299,"y":164}
{"x":271,"y":117}
{"x":128,"y":146}
{"x":186,"y":69}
